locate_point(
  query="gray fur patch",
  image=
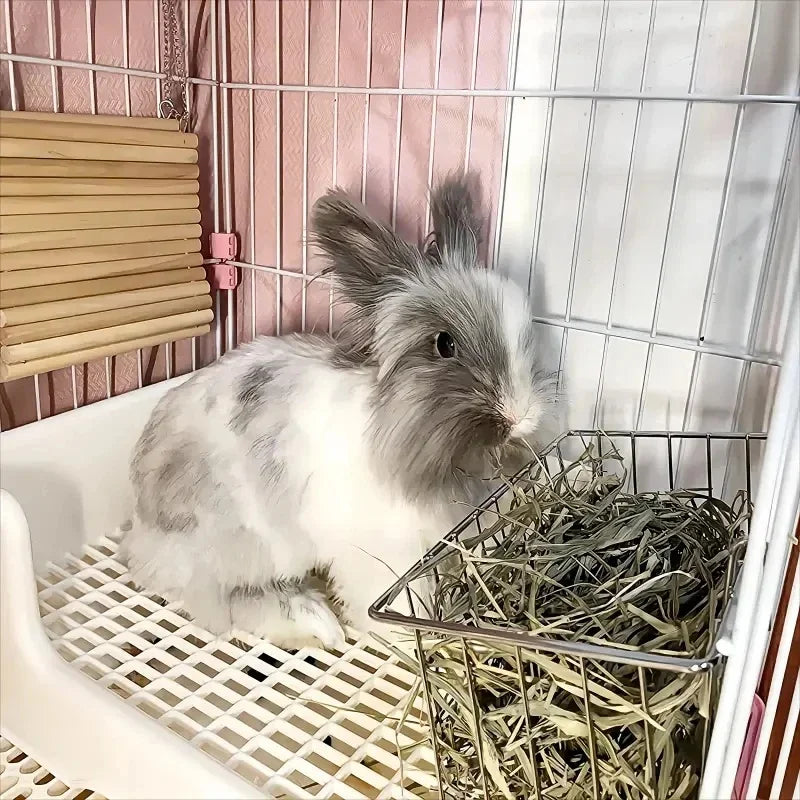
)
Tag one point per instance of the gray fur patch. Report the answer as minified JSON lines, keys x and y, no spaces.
{"x":456,"y":224}
{"x":271,"y":466}
{"x":176,"y":523}
{"x":367,"y":261}
{"x":341,"y":353}
{"x":168,"y":495}
{"x":351,"y":350}
{"x":317,"y":580}
{"x":186,"y":464}
{"x":153,"y":430}
{"x":250,"y":396}
{"x":370,"y":262}
{"x":363,"y":253}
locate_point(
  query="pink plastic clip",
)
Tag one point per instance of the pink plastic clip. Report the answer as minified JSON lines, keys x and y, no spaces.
{"x":749,"y":749}
{"x":223,"y":275}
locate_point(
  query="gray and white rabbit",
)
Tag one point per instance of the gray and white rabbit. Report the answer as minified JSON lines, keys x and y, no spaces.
{"x":283,"y":488}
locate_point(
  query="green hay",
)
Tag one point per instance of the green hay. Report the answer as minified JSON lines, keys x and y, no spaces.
{"x":576,"y":558}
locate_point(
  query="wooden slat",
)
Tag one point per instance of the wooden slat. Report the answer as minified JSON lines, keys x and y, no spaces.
{"x":49,"y":240}
{"x":37,"y":223}
{"x":73,"y":131}
{"x":768,"y":670}
{"x":791,"y":777}
{"x":92,"y":151}
{"x":33,"y":187}
{"x":68,"y":291}
{"x":101,"y":319}
{"x":22,"y":315}
{"x":11,"y":206}
{"x":99,"y":239}
{"x":45,"y":348}
{"x":22,"y":278}
{"x":9,"y":372}
{"x":791,"y":670}
{"x":77,"y":168}
{"x":92,"y":255}
{"x":93,"y":119}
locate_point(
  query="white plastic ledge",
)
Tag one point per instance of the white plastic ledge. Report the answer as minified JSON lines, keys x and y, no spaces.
{"x":81,"y":731}
{"x":60,"y":717}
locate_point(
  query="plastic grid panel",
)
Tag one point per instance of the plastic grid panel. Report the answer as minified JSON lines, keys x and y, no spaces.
{"x":305,"y":724}
{"x":23,"y":778}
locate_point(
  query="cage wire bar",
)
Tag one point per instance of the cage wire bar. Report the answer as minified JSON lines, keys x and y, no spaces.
{"x":513,"y":55}
{"x":691,"y":97}
{"x":252,"y":162}
{"x":368,"y":73}
{"x":587,"y":156}
{"x":537,"y":225}
{"x":623,"y":217}
{"x":434,"y":107}
{"x":716,"y":248}
{"x":159,"y":32}
{"x":472,"y":82}
{"x":278,"y":174}
{"x":334,"y":135}
{"x":398,"y":126}
{"x":221,"y":84}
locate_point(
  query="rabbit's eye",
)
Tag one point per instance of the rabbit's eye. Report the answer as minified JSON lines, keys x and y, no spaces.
{"x":445,"y":345}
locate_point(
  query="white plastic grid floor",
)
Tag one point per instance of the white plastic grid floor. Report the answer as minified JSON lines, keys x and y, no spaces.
{"x":22,"y":778}
{"x":310,"y":724}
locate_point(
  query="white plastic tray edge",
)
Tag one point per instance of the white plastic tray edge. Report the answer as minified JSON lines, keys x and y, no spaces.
{"x":65,"y":720}
{"x":62,"y":718}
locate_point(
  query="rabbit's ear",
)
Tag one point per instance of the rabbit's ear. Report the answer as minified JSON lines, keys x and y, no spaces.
{"x":456,"y":223}
{"x":365,"y":257}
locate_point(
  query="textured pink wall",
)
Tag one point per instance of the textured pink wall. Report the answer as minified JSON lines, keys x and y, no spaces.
{"x":256,"y":298}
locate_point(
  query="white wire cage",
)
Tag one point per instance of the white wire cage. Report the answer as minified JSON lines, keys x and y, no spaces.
{"x":639,"y":161}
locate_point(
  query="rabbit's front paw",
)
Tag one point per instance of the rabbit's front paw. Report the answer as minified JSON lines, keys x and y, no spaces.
{"x":312,"y":613}
{"x":288,"y":617}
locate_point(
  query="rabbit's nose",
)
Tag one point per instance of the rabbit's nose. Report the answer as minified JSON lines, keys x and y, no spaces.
{"x":519,"y":430}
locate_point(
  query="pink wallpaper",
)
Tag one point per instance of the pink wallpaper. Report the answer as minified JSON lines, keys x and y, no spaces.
{"x":285,"y":169}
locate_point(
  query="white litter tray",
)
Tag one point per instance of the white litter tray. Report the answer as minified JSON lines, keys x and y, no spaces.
{"x":24,"y":778}
{"x":117,"y":693}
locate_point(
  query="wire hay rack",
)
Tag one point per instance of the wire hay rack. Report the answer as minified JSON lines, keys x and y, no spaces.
{"x":586,"y":707}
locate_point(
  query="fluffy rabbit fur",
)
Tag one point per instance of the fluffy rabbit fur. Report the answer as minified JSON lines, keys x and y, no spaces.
{"x":283,"y":488}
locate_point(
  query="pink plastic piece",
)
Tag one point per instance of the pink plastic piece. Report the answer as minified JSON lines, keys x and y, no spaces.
{"x":223,"y":275}
{"x":749,"y":749}
{"x":223,"y":246}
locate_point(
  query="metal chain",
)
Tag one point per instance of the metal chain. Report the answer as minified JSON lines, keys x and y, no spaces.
{"x":175,"y":86}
